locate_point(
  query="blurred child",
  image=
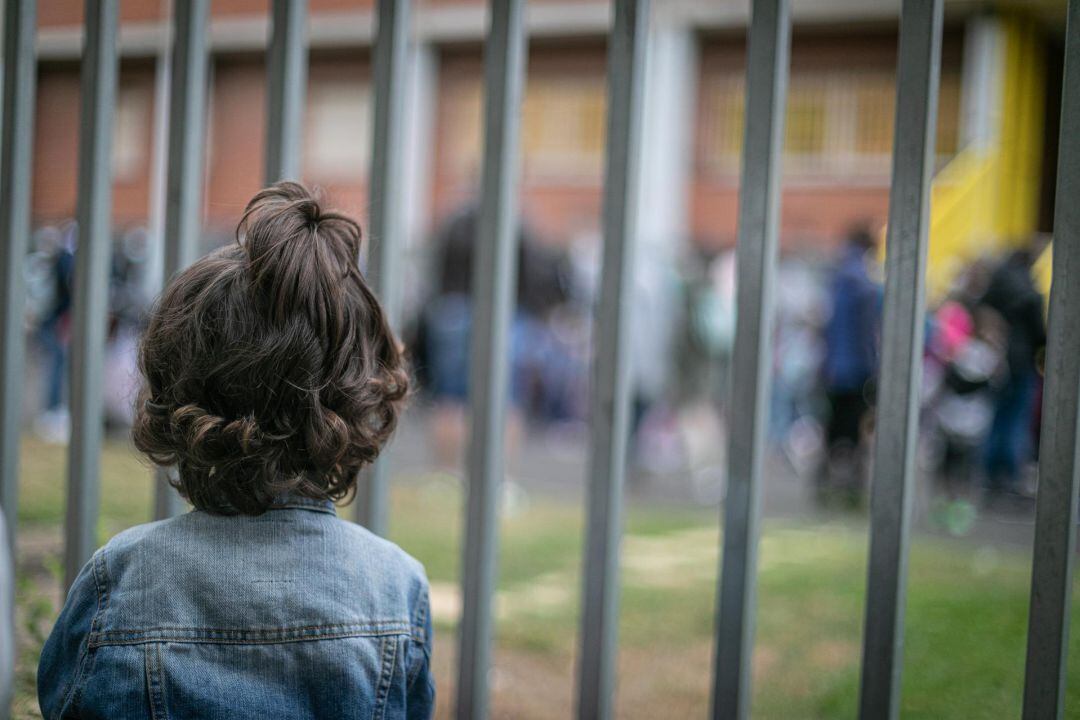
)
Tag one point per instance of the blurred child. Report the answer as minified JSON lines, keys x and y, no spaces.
{"x":970,"y":350}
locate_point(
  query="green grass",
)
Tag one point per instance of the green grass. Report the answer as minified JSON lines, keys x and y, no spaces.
{"x":966,"y":610}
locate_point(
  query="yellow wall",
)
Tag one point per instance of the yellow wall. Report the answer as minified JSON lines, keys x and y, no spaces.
{"x":987,"y":199}
{"x":1022,"y":128}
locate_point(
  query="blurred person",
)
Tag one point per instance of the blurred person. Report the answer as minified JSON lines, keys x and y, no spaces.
{"x":545,"y":366}
{"x":1012,"y":295}
{"x":447,"y":323}
{"x":967,"y":348}
{"x":127,"y":308}
{"x":270,"y":378}
{"x":705,"y":333}
{"x":660,"y":440}
{"x":677,"y":412}
{"x":801,"y":309}
{"x":849,"y":366}
{"x":53,"y":336}
{"x":39,"y":274}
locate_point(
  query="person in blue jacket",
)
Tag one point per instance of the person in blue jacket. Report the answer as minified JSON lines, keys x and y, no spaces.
{"x":850,"y":364}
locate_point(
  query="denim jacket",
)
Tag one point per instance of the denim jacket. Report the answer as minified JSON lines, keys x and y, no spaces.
{"x":291,"y":614}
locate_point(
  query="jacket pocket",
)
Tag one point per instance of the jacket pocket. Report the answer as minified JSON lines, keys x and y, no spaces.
{"x":155,"y":681}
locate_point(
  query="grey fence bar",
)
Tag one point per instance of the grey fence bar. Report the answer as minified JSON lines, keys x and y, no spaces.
{"x":287,"y":90}
{"x":1059,"y":464}
{"x":16,"y":151}
{"x":386,"y":225}
{"x":610,"y":387}
{"x":494,"y":279}
{"x":7,"y":622}
{"x":896,"y":424}
{"x":759,"y":209}
{"x":90,"y":307}
{"x":184,"y":181}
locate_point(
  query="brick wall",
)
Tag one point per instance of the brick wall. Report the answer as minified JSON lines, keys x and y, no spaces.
{"x":56,"y":141}
{"x":815,"y":213}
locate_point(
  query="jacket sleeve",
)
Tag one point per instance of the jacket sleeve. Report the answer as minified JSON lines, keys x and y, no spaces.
{"x":420,"y":683}
{"x":60,"y":669}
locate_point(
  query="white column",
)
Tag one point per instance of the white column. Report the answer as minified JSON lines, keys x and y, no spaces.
{"x":980,"y":108}
{"x":667,"y":139}
{"x":154,"y":262}
{"x":671,"y":81}
{"x":419,"y":165}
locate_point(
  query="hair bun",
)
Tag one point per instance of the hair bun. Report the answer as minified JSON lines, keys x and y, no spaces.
{"x":310,"y":209}
{"x":298,"y":254}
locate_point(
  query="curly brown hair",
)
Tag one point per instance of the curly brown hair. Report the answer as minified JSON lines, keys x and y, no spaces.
{"x":269,"y":367}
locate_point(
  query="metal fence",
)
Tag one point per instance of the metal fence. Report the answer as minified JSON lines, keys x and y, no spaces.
{"x":505,"y":57}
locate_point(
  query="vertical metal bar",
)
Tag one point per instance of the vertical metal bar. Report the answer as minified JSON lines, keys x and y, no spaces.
{"x":494,"y":281}
{"x":187,"y":131}
{"x":7,"y":623}
{"x":94,"y":211}
{"x":154,"y":265}
{"x":918,"y":66}
{"x":1059,"y":454}
{"x":386,"y":241}
{"x":759,"y":207}
{"x":183,"y":184}
{"x":16,"y":159}
{"x":287,"y":65}
{"x":610,"y":402}
{"x":155,"y":275}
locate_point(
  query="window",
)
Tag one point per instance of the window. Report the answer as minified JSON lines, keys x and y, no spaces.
{"x":723,"y":117}
{"x":338,"y":131}
{"x":805,"y":128}
{"x":838,"y":122}
{"x":460,"y":142}
{"x":562,"y":128}
{"x":875,"y":107}
{"x":131,"y":133}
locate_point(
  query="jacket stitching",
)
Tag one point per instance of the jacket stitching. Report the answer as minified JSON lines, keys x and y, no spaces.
{"x":389,"y":659}
{"x":374,"y":624}
{"x":74,"y":692}
{"x":148,"y":669}
{"x":256,"y":635}
{"x":419,"y":637}
{"x":389,"y":632}
{"x":101,"y":583}
{"x":155,"y":682}
{"x":411,"y":672}
{"x":419,"y":628}
{"x":161,"y":680}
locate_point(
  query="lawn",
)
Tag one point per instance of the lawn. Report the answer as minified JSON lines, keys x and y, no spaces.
{"x":966,"y":616}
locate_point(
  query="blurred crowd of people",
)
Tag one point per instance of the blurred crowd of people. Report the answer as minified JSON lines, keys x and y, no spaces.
{"x":984,"y":383}
{"x":981,"y":374}
{"x":50,"y":276}
{"x":981,"y":381}
{"x":981,"y":371}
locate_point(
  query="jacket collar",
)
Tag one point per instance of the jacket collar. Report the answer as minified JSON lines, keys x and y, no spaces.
{"x":304,"y":503}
